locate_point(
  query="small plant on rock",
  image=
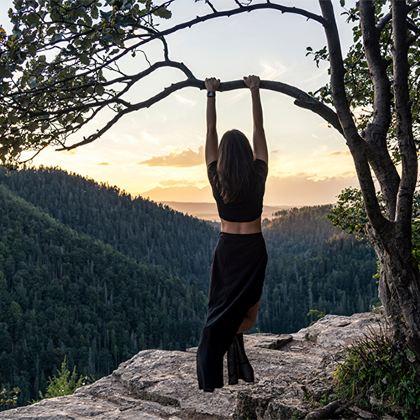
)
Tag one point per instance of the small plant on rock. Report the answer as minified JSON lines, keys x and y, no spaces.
{"x":8,"y":397}
{"x":380,"y":377}
{"x":64,"y":382}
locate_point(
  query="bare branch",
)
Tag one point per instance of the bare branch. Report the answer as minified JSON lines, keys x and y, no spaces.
{"x":238,"y":3}
{"x":302,"y":100}
{"x":129,"y":80}
{"x":211,"y":6}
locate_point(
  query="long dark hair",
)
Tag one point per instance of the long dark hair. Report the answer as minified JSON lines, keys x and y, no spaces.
{"x":234,"y":165}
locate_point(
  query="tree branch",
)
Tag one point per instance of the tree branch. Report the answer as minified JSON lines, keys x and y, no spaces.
{"x":188,"y":24}
{"x":377,"y":130}
{"x":211,"y":6}
{"x":357,"y":146}
{"x":403,"y":116}
{"x":382,"y":23}
{"x":337,"y":73}
{"x":129,"y":80}
{"x":302,"y":99}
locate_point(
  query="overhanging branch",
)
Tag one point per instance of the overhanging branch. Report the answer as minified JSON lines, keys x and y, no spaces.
{"x":302,"y":99}
{"x":188,"y":24}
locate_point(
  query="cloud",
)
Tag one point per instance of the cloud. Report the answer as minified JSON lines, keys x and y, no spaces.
{"x":339,"y":153}
{"x":290,"y":190}
{"x":183,"y":158}
{"x":300,"y":189}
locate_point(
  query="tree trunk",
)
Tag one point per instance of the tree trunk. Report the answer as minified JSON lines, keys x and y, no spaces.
{"x":399,"y":290}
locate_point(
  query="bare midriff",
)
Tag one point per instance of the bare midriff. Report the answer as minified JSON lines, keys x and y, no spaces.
{"x":253,"y":226}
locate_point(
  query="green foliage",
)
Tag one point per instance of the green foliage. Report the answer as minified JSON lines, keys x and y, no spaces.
{"x":149,"y":232}
{"x":357,"y":79}
{"x":52,"y":65}
{"x":314,"y":315}
{"x":90,"y":272}
{"x":313,"y":264}
{"x":66,"y":293}
{"x":64,"y":382}
{"x":349,"y":215}
{"x":380,"y":377}
{"x":8,"y":397}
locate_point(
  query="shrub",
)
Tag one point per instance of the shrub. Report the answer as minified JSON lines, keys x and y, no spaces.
{"x":64,"y":382}
{"x":8,"y":397}
{"x":379,"y":376}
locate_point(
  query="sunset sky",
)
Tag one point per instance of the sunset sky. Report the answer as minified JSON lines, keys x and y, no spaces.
{"x":159,"y":152}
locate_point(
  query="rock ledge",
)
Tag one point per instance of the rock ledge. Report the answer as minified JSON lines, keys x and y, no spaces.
{"x":292,"y":372}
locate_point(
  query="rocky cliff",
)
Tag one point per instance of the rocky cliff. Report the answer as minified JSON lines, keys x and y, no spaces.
{"x":292,"y":373}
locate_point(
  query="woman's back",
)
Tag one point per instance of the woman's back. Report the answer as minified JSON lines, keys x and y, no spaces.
{"x":249,"y":204}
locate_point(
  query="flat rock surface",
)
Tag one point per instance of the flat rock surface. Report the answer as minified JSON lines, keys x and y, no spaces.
{"x":291,"y":372}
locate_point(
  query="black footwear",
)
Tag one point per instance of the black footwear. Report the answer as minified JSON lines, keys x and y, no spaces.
{"x":245,"y":370}
{"x":208,"y":389}
{"x":232,"y":362}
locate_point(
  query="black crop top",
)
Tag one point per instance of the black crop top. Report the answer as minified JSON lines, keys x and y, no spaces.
{"x":243,"y":209}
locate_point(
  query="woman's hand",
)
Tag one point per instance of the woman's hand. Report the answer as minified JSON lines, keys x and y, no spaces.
{"x":253,"y":82}
{"x":212,"y":84}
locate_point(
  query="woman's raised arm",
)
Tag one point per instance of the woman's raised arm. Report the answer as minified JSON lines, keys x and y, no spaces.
{"x":259,"y":140}
{"x":211,"y":149}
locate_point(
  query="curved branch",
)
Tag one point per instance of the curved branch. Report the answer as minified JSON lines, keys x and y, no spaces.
{"x":189,"y":24}
{"x":302,"y":99}
{"x":129,"y":80}
{"x":357,"y":146}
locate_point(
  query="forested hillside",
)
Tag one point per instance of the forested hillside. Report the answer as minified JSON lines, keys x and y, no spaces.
{"x":65,"y":293}
{"x":137,"y":227}
{"x":96,"y":274}
{"x":313,"y":265}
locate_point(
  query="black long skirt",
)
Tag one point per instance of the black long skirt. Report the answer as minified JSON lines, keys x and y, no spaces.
{"x":236,"y":284}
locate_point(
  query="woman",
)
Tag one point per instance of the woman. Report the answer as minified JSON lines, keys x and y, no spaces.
{"x":237,"y":176}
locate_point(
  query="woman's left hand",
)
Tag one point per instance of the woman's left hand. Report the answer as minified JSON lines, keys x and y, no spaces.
{"x":212,"y":84}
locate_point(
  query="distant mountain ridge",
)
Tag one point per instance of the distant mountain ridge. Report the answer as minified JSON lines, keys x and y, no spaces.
{"x":208,"y":211}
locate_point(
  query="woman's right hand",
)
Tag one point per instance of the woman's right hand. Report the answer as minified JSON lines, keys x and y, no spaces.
{"x":252,"y":81}
{"x":212,"y":84}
